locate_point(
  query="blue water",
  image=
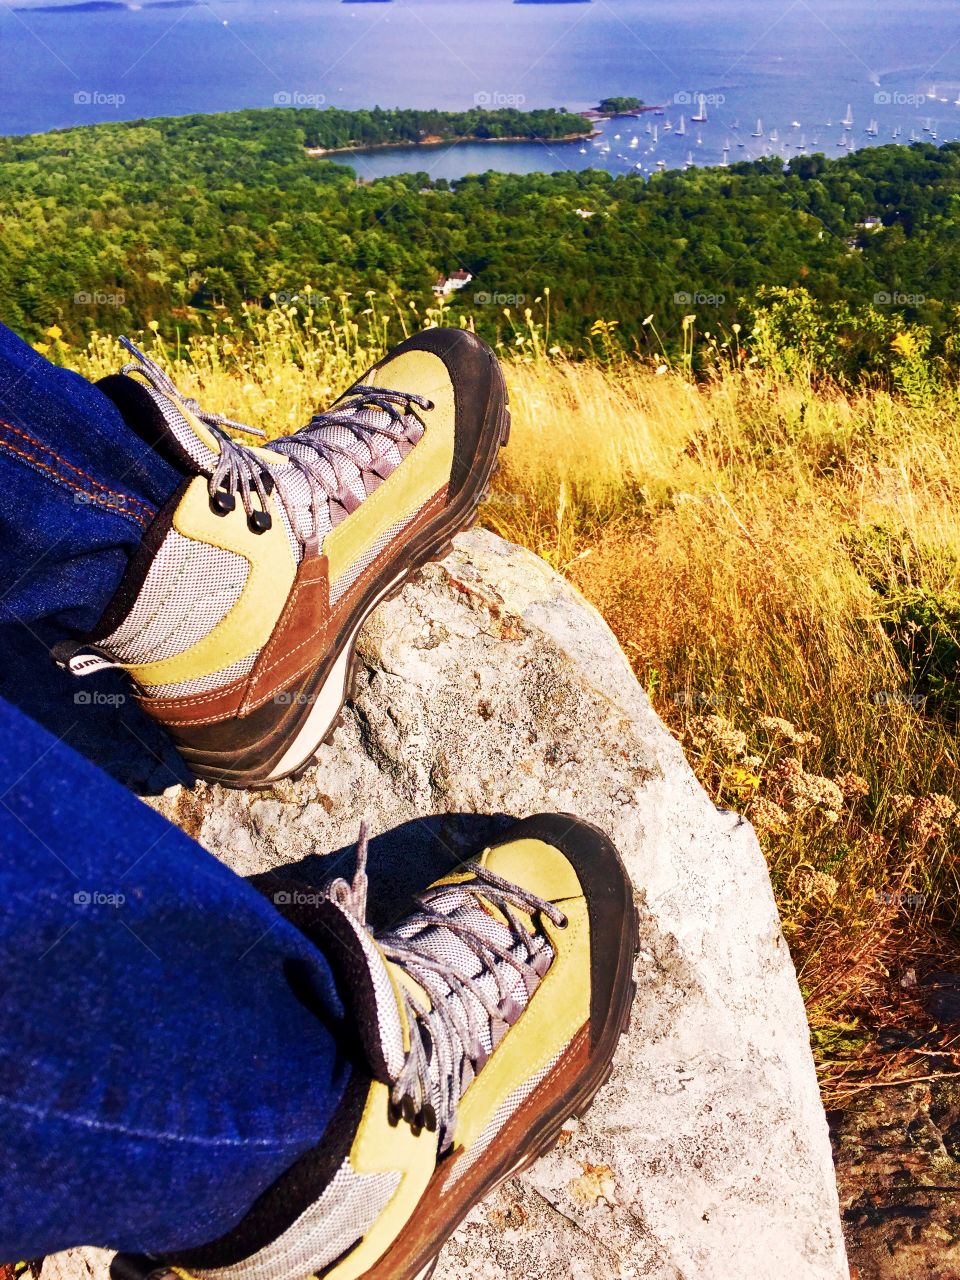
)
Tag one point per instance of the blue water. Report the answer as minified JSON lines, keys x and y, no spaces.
{"x":774,"y":60}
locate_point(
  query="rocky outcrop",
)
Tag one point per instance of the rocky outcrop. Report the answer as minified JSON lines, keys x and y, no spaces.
{"x":489,"y":689}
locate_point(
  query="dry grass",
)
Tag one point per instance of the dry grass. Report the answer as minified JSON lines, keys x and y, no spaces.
{"x":765,"y":554}
{"x":735,"y":537}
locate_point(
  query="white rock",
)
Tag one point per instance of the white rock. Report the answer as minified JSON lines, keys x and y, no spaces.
{"x":490,"y":687}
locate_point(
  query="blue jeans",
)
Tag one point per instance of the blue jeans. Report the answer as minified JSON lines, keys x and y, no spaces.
{"x":169,"y":1043}
{"x":79,"y":487}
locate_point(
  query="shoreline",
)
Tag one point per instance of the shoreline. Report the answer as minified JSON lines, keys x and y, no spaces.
{"x":434,"y":141}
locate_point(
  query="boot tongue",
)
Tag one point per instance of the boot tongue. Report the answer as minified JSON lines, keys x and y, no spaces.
{"x":371,"y":983}
{"x":166,"y":425}
{"x":368,"y":986}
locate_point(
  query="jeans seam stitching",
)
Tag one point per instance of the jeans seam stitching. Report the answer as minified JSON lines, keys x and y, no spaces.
{"x":146,"y":510}
{"x":140,"y":519}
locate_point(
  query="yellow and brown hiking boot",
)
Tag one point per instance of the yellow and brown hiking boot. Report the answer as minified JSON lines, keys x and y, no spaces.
{"x":487,"y":1018}
{"x":237,"y":616}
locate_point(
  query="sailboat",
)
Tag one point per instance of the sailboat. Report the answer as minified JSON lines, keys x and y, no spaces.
{"x":699,"y":137}
{"x":681,"y":129}
{"x":873,"y":128}
{"x":957,"y":101}
{"x":736,"y":124}
{"x":847,"y":120}
{"x":634,"y":142}
{"x":656,"y":135}
{"x":775,"y":135}
{"x":802,"y":144}
{"x":668,"y":126}
{"x":701,"y":116}
{"x":758,"y":132}
{"x":689,"y":164}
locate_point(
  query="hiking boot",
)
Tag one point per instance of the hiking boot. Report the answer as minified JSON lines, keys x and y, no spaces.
{"x":487,"y":1017}
{"x":238,"y":614}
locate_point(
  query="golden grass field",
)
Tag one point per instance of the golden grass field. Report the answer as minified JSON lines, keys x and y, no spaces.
{"x":782,"y":566}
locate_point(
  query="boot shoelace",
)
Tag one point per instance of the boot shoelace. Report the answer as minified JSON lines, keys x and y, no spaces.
{"x":240,"y":470}
{"x":446,"y":1045}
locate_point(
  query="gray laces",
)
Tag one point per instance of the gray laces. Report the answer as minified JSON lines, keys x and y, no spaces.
{"x":239,"y":470}
{"x":161,"y":381}
{"x":446,"y":1044}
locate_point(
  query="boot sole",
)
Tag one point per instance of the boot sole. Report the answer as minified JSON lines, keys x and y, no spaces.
{"x":289,"y":749}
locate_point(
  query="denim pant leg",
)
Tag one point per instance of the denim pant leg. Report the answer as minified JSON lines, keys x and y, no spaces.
{"x":79,"y":488}
{"x":169,"y":1044}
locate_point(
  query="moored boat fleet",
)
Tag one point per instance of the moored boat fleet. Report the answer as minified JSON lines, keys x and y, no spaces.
{"x":657,"y":129}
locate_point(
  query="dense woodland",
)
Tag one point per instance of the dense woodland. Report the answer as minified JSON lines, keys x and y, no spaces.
{"x":112,"y":226}
{"x":332,"y":128}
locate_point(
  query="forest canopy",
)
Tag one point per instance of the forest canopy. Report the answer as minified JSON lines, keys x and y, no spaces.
{"x":109,"y":227}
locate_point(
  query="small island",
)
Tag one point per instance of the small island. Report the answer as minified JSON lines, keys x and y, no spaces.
{"x":620,"y":106}
{"x":617,"y":106}
{"x":103,"y":6}
{"x":330,"y":131}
